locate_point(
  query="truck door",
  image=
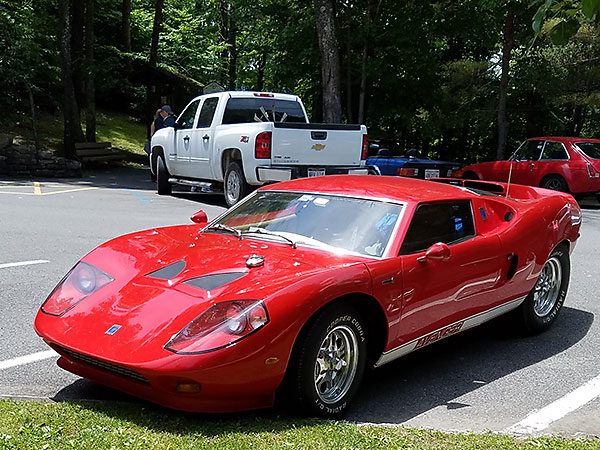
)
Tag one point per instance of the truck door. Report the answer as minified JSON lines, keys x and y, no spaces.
{"x":184,"y":125}
{"x":202,"y":140}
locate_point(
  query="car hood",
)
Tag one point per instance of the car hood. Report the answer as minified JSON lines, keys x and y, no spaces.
{"x":152,"y":298}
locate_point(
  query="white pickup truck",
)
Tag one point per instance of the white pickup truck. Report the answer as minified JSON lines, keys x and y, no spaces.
{"x":239,"y":140}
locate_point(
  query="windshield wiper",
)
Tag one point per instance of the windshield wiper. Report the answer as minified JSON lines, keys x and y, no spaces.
{"x":258,"y":230}
{"x":220,"y":226}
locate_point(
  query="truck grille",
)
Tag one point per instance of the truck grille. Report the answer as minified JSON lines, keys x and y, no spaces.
{"x":105,"y":365}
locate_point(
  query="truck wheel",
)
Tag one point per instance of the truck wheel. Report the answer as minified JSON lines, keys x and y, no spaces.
{"x":236,"y":187}
{"x":163,"y":187}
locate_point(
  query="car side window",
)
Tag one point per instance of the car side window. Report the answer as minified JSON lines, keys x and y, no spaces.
{"x":186,"y":119}
{"x":447,"y":222}
{"x":207,"y":112}
{"x":554,"y":150}
{"x":530,"y":150}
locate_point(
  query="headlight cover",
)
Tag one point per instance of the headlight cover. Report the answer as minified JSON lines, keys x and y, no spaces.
{"x":83,"y":280}
{"x":220,"y":326}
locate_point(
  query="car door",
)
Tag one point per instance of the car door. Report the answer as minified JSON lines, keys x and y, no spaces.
{"x":526,"y":158}
{"x":184,"y":125}
{"x":554,"y":160}
{"x":202,"y":139}
{"x":440,"y":293}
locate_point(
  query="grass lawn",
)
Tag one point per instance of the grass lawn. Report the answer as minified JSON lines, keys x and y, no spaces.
{"x":122,"y":131}
{"x":31,"y":425}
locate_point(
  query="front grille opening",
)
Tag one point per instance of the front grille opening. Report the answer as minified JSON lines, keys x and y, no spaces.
{"x":105,"y":365}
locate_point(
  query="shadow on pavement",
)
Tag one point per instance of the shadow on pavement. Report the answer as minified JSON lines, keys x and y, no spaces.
{"x":434,"y":376}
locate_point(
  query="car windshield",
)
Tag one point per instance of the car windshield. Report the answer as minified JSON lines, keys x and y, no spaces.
{"x":335,"y":223}
{"x":591,"y":149}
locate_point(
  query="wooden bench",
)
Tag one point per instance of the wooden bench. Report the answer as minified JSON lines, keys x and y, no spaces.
{"x":96,"y":151}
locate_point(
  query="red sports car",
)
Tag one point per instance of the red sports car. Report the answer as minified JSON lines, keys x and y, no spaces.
{"x":304,"y":285}
{"x":564,"y":164}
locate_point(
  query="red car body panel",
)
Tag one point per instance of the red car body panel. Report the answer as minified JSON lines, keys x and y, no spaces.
{"x":295,"y":283}
{"x":575,"y":170}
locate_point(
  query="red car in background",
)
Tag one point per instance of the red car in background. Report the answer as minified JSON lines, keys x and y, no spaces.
{"x":566,"y":164}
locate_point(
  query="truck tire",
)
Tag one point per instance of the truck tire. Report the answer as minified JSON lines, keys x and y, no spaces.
{"x":163,"y":187}
{"x":236,"y":187}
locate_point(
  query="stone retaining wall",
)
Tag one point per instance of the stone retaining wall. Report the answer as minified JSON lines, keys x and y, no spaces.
{"x":22,"y":160}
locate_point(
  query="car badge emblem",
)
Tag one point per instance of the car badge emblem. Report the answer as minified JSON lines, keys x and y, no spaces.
{"x":318,"y":147}
{"x":255,"y":261}
{"x":112,"y":330}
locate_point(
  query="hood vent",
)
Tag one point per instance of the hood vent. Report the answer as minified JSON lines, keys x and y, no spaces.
{"x":168,"y":272}
{"x":210,"y":282}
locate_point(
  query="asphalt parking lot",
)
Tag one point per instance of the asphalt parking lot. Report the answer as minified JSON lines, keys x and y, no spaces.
{"x":484,"y":379}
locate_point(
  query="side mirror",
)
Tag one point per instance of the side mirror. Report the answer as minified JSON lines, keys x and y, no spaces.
{"x":199,"y":217}
{"x":437,"y":252}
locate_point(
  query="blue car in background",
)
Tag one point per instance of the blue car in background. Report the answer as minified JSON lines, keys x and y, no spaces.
{"x":408,"y":165}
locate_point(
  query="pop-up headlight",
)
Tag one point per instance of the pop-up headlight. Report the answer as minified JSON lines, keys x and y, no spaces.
{"x":83,"y":280}
{"x":220,"y":326}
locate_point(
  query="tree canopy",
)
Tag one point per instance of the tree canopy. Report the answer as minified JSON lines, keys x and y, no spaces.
{"x":420,"y":74}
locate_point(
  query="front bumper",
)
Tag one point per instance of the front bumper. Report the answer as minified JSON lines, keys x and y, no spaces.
{"x":218,"y":391}
{"x":274,"y":174}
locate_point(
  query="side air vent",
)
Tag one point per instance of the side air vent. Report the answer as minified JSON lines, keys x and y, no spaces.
{"x":210,"y":282}
{"x":512,"y":269}
{"x":168,"y":272}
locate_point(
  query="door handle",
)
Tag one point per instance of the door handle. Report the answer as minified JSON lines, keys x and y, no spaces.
{"x":186,"y":139}
{"x":531,"y":164}
{"x":206,"y":137}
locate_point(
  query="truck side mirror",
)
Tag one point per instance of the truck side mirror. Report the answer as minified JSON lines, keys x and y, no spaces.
{"x":199,"y":217}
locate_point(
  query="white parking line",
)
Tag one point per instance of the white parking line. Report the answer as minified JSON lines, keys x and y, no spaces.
{"x":27,"y":359}
{"x":23,"y":263}
{"x":540,"y":420}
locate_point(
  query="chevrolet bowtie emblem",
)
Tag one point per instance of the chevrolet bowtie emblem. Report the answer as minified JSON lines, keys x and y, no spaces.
{"x":318,"y":147}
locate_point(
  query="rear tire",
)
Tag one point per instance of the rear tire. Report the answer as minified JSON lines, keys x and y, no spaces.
{"x":329,"y":361}
{"x":163,"y":187}
{"x":556,"y":183}
{"x":236,"y":187}
{"x":545,"y":300}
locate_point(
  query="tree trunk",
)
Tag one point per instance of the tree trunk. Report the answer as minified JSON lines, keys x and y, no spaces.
{"x":36,"y":139}
{"x":224,"y":31}
{"x":231,"y":40}
{"x":77,"y":50}
{"x":363,"y":83}
{"x":349,"y":114}
{"x":72,"y":126}
{"x":260,"y":76}
{"x":330,"y":60}
{"x":90,"y":91}
{"x":126,"y":32}
{"x":158,"y":11}
{"x":506,"y":51}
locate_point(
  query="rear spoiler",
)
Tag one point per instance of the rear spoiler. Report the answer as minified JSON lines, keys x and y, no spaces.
{"x":517,"y":191}
{"x":488,"y":186}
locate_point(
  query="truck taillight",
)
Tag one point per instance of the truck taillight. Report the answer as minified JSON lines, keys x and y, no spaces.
{"x":365,"y":147}
{"x":262,"y":147}
{"x":263,"y":94}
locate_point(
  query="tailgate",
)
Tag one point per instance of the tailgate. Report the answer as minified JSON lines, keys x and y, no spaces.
{"x":317,"y":145}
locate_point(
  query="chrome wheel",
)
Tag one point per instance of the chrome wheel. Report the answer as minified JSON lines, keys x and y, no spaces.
{"x":233,"y":187}
{"x":547,"y":288}
{"x":335,"y":367}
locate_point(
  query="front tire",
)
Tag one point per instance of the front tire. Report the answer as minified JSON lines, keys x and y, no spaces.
{"x":236,"y":187}
{"x":329,"y":362}
{"x":163,"y":187}
{"x":545,"y":300}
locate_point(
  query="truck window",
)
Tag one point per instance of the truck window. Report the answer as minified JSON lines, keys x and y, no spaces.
{"x":186,"y":119}
{"x":207,"y":112}
{"x":245,"y":110}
